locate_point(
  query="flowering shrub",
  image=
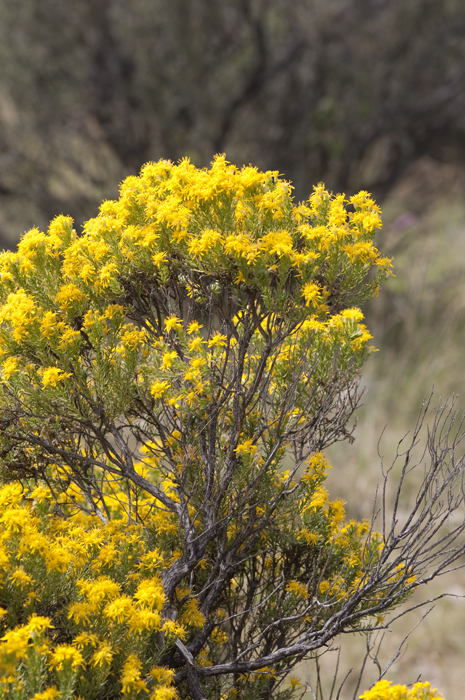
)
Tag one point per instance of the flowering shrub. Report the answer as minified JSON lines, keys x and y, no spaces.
{"x":169,"y":381}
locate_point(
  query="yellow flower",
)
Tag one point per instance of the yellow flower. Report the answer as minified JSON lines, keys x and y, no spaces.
{"x":31,"y":242}
{"x":69,"y":337}
{"x":41,"y":493}
{"x":337,"y":214}
{"x":87,"y":272}
{"x":103,"y":655}
{"x":362,"y":200}
{"x":65,"y":655}
{"x":52,"y":375}
{"x":80,"y":612}
{"x":144,"y":620}
{"x":217,"y":340}
{"x":247,"y":448}
{"x":11,"y":494}
{"x":384,"y":690}
{"x":309,"y":537}
{"x":150,"y":592}
{"x":195,"y":344}
{"x":21,"y":578}
{"x":311,"y":293}
{"x":158,"y":258}
{"x":191,"y":375}
{"x":191,"y":398}
{"x":58,"y":559}
{"x":371,"y":221}
{"x":171,"y":627}
{"x":159,"y":388}
{"x":84,"y":639}
{"x":194,"y":327}
{"x":114,"y":311}
{"x":38,"y":624}
{"x":20,"y":311}
{"x":16,"y":518}
{"x":69,"y":294}
{"x":10,"y":366}
{"x":132,"y":337}
{"x":319,"y":500}
{"x":16,"y":642}
{"x":48,"y":324}
{"x":198,"y":362}
{"x":162,"y":675}
{"x":239,"y":244}
{"x":354,"y":314}
{"x":295,"y":683}
{"x":297,"y":588}
{"x":173,"y":323}
{"x":317,"y":467}
{"x":278,"y":242}
{"x":381,"y":689}
{"x":131,"y":676}
{"x":106,"y":275}
{"x":168,"y":359}
{"x":362,"y":251}
{"x":300,"y":259}
{"x":360,"y":337}
{"x":219,"y":636}
{"x":385,"y":263}
{"x":201,"y":387}
{"x":199,"y":246}
{"x":102,"y":589}
{"x":119,"y":609}
{"x":108,"y":553}
{"x":164,"y":693}
{"x":48,"y":694}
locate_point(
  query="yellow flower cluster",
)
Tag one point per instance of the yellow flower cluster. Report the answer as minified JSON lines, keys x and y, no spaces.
{"x":52,"y":375}
{"x":298,"y":589}
{"x":100,"y":581}
{"x":234,"y":224}
{"x":18,"y":311}
{"x":384,"y":690}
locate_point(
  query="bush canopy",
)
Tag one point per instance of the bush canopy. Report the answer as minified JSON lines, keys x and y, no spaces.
{"x":170,"y":380}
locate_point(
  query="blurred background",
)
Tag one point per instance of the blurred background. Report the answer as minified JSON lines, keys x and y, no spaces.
{"x":360,"y":94}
